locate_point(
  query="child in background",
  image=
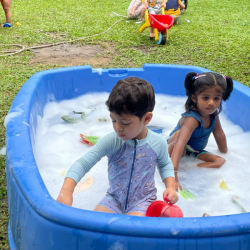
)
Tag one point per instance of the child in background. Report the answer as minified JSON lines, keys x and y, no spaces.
{"x":185,"y":2}
{"x":6,"y":4}
{"x":154,"y":7}
{"x":173,"y":8}
{"x":133,"y":153}
{"x":135,"y":9}
{"x":205,"y":92}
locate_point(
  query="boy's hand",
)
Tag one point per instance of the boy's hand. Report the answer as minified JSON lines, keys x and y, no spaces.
{"x":171,"y":194}
{"x":66,"y":194}
{"x":65,"y":197}
{"x":163,"y":5}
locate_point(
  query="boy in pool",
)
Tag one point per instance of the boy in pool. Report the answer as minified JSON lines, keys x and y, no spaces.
{"x":6,"y":4}
{"x":133,"y":153}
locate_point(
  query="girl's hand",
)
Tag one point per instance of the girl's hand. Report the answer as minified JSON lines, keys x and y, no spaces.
{"x":177,"y":184}
{"x":171,"y":194}
{"x":65,"y":197}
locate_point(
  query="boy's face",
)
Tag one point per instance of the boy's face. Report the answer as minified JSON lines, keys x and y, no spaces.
{"x":129,"y":126}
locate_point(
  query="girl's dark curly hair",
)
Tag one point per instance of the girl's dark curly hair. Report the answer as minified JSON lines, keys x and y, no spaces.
{"x":197,"y":83}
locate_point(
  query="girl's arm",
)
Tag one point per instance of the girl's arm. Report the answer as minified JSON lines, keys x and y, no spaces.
{"x":188,"y":125}
{"x":219,"y":135}
{"x":145,"y":2}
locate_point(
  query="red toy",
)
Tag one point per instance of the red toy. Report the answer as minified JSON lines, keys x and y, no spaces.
{"x":160,"y":23}
{"x":163,"y":209}
{"x":89,"y":140}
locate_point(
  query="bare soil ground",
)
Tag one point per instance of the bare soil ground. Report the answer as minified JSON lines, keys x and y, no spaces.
{"x":74,"y":54}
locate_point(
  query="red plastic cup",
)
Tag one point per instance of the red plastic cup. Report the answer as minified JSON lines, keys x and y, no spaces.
{"x":163,"y":209}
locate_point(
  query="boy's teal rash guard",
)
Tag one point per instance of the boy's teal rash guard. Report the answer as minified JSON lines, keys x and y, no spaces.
{"x":111,"y":145}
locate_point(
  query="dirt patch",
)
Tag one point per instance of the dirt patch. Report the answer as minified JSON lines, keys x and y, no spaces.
{"x":145,"y":49}
{"x":74,"y":54}
{"x":4,"y":202}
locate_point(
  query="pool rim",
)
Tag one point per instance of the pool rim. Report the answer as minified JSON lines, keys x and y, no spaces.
{"x":47,"y":207}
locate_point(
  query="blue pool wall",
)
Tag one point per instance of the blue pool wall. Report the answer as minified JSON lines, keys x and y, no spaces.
{"x":37,"y":221}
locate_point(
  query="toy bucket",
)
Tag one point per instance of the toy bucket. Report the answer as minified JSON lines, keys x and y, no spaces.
{"x":163,"y":209}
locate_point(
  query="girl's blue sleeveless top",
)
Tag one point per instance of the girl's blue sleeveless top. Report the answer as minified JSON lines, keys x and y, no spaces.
{"x":199,"y":138}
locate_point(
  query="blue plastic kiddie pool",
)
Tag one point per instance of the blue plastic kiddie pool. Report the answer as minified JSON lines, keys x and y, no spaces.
{"x":37,"y":221}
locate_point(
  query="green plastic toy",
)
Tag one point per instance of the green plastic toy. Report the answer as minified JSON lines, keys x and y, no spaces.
{"x":186,"y":194}
{"x":235,"y":201}
{"x":89,"y":140}
{"x":70,"y":119}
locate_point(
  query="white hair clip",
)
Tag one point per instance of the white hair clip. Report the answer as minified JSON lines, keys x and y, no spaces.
{"x":197,"y":76}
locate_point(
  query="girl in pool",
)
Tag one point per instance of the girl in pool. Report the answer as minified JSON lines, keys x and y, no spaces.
{"x":133,"y":153}
{"x":205,"y":92}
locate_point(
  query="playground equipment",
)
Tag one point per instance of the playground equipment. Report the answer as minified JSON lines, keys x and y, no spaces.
{"x":38,"y":222}
{"x":161,"y":24}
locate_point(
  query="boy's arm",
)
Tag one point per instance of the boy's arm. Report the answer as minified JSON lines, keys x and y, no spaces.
{"x":219,"y":136}
{"x":165,"y":168}
{"x":105,"y":146}
{"x":170,"y":192}
{"x":66,"y":194}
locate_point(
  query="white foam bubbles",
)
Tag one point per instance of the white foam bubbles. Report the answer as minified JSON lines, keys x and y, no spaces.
{"x":57,"y":146}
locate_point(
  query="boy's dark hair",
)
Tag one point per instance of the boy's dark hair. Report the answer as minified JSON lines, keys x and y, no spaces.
{"x":197,"y":83}
{"x":133,"y":96}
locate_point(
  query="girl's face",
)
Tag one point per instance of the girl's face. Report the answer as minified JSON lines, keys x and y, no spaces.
{"x":129,"y":126}
{"x":208,"y":101}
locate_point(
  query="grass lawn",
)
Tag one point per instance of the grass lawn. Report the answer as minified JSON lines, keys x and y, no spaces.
{"x":213,"y":34}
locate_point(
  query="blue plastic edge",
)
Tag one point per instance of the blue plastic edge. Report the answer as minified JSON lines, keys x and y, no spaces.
{"x":48,"y":208}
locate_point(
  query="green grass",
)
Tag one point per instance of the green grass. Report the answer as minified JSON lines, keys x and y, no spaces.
{"x":217,"y":38}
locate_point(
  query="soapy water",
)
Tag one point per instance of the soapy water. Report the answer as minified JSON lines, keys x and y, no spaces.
{"x":57,"y":147}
